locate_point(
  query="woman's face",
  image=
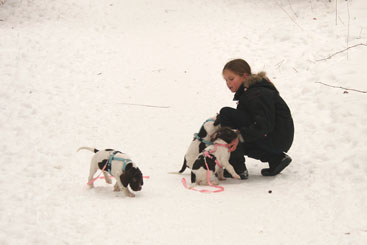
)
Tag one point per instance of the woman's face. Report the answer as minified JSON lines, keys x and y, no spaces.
{"x":233,"y":80}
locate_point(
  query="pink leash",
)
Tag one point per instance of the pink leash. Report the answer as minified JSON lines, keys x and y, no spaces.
{"x":94,"y":179}
{"x":231,"y":147}
{"x":219,"y":188}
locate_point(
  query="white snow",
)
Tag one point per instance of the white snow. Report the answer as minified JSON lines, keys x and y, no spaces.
{"x":70,"y":71}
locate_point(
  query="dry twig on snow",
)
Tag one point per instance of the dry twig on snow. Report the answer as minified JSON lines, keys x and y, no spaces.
{"x":144,"y":105}
{"x":330,"y":56}
{"x":351,"y":89}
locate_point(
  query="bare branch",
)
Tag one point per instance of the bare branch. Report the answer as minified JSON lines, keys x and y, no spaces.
{"x":351,"y":89}
{"x":348,"y":30}
{"x":279,"y":64}
{"x":291,"y":17}
{"x":290,"y":6}
{"x":360,"y":44}
{"x":360,"y":33}
{"x":336,"y":12}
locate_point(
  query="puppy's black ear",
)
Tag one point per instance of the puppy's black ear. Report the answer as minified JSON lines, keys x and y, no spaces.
{"x":217,"y":120}
{"x":140,"y":176}
{"x":136,"y":180}
{"x":127,"y":175}
{"x":125,"y":178}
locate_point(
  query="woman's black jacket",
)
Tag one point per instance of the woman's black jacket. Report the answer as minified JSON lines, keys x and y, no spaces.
{"x":270,"y":117}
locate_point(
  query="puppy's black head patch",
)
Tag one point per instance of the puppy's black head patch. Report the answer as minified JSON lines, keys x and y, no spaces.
{"x":133,"y":177}
{"x":225,"y":133}
{"x":202,"y":132}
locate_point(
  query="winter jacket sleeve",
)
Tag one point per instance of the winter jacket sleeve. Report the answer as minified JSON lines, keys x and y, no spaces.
{"x":262,"y":108}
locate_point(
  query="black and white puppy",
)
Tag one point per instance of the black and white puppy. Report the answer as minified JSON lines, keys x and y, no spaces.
{"x":220,"y":152}
{"x":121,"y":167}
{"x":200,"y":142}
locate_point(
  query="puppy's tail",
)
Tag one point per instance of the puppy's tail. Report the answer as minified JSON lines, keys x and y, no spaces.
{"x":88,"y":148}
{"x":184,"y":166}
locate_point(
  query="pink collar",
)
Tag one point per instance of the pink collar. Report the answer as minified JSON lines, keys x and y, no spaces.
{"x":231,"y":146}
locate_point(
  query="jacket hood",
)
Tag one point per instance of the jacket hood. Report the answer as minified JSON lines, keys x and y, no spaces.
{"x":255,"y":80}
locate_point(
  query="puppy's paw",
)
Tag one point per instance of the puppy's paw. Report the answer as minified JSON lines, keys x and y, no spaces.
{"x":236,"y":176}
{"x":107,"y":177}
{"x":116,"y":188}
{"x":215,"y":182}
{"x":131,"y":194}
{"x":128,"y":193}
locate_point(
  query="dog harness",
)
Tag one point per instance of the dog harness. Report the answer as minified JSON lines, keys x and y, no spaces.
{"x":196,"y":135}
{"x":107,"y":166}
{"x":113,"y":158}
{"x":208,"y":154}
{"x":206,"y":142}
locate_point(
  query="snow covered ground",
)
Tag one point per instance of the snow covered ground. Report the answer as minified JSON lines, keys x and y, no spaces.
{"x":78,"y":72}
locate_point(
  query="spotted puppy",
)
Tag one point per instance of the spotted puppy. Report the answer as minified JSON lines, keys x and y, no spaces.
{"x":200,"y":142}
{"x":216,"y":156}
{"x":118,"y":165}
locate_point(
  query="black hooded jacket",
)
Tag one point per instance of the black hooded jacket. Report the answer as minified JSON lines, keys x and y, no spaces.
{"x":271,"y":119}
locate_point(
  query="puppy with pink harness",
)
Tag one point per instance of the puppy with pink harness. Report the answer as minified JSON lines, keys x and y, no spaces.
{"x":208,"y":167}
